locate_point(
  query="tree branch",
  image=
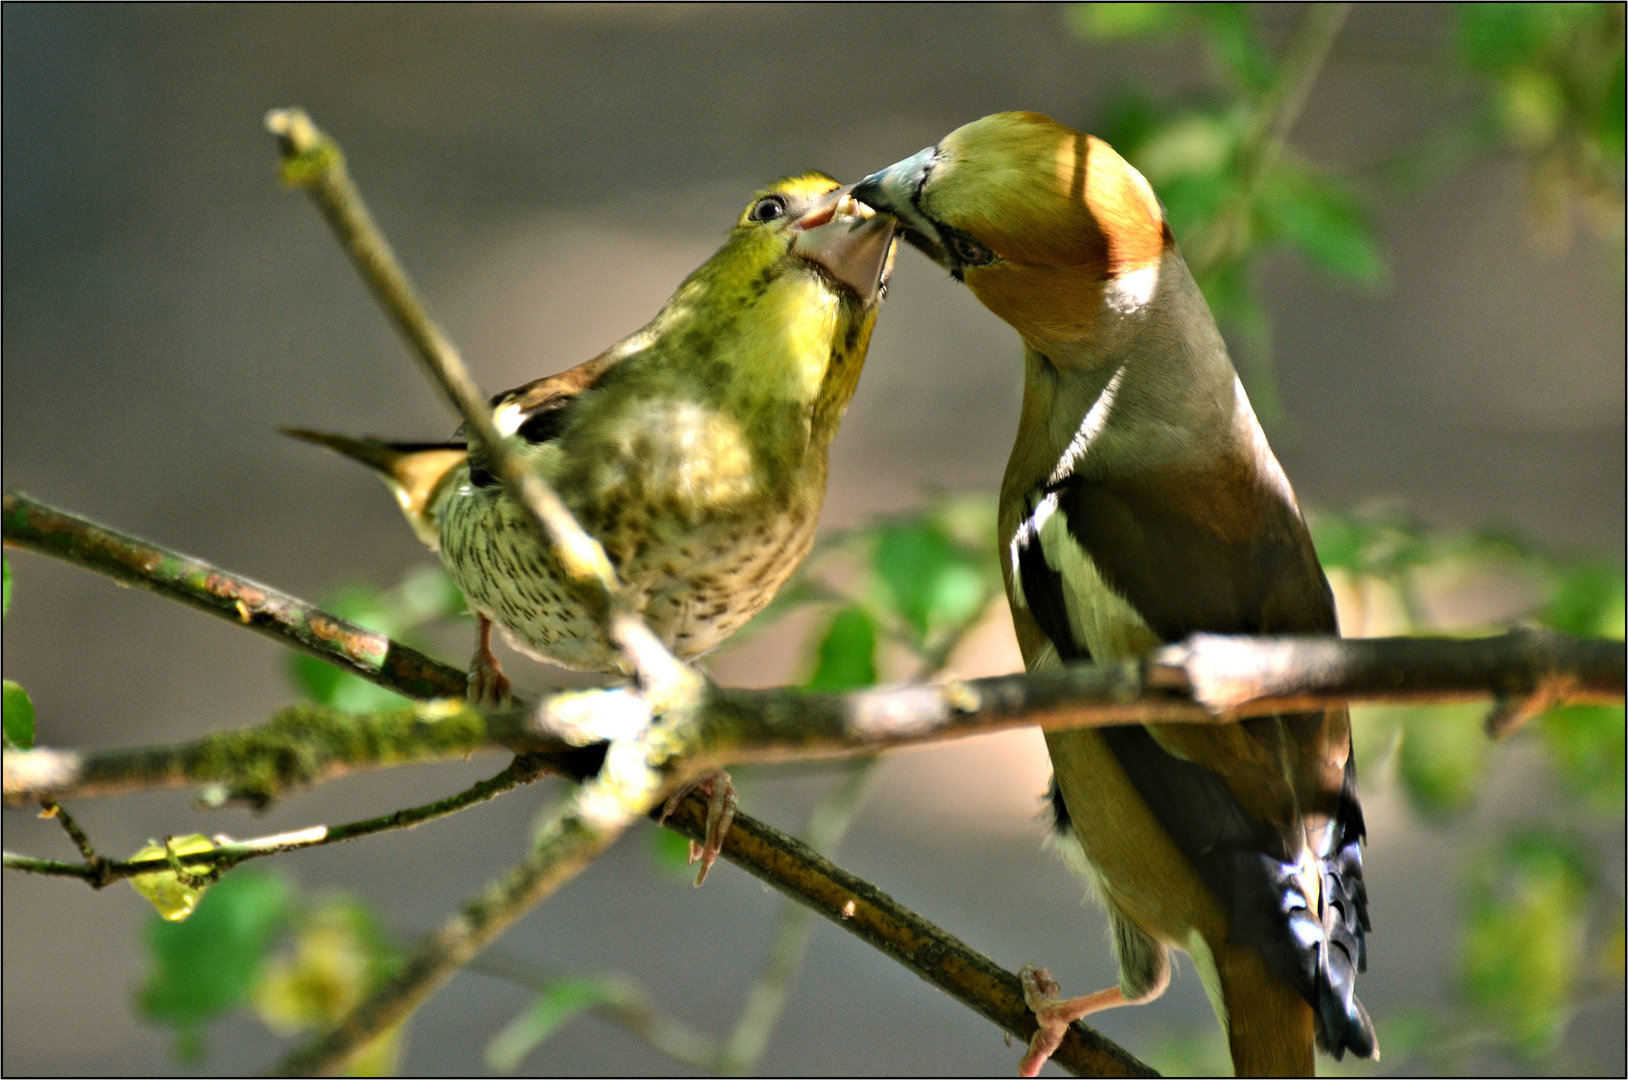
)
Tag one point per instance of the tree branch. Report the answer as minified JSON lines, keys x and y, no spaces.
{"x":302,"y":745}
{"x":1180,"y":683}
{"x":303,"y":627}
{"x":100,"y":872}
{"x":1208,"y":679}
{"x":883,"y":923}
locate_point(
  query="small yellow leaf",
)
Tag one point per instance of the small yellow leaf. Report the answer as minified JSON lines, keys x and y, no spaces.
{"x":175,"y":896}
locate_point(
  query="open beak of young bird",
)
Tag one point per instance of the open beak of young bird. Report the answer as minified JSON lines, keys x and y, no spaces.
{"x":894,"y":191}
{"x":850,"y":240}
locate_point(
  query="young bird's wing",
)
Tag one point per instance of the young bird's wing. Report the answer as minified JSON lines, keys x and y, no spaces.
{"x":420,"y":475}
{"x":1141,"y":504}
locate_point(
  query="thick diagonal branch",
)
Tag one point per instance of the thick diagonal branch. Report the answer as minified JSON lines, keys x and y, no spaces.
{"x":883,"y":923}
{"x":303,"y":627}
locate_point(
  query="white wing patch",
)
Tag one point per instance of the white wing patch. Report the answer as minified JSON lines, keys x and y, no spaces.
{"x":1098,"y":617}
{"x":1095,"y":420}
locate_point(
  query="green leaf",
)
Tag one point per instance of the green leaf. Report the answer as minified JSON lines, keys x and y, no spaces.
{"x":327,"y":685}
{"x":1526,"y":907}
{"x":210,"y":963}
{"x":1588,"y":600}
{"x":175,"y":895}
{"x":671,"y":852}
{"x":19,"y":717}
{"x":5,"y":572}
{"x":1323,"y":220}
{"x":1495,"y":37}
{"x":929,"y":580}
{"x":368,"y":606}
{"x":1378,"y":541}
{"x":340,"y":954}
{"x":1235,"y":46}
{"x":560,"y":1001}
{"x":1194,"y":146}
{"x":1585,"y":744}
{"x":847,"y":653}
{"x":1122,"y":22}
{"x":1443,"y":758}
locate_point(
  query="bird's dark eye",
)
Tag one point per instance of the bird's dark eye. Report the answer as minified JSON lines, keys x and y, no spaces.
{"x":968,"y":252}
{"x":767,"y":209}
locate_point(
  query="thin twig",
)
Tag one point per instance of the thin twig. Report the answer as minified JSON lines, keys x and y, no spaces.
{"x":303,"y":627}
{"x":313,"y":161}
{"x":54,"y":809}
{"x":227,"y":853}
{"x":631,"y":1009}
{"x":1275,"y":113}
{"x":564,"y":847}
{"x":880,"y":921}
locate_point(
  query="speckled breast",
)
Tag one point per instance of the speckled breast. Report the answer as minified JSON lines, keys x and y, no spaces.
{"x":699,"y":576}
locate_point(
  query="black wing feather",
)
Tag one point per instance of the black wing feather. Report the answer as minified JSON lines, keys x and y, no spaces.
{"x":1182,"y":578}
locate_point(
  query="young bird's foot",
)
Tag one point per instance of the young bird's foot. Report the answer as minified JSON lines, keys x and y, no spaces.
{"x":721,"y":803}
{"x":487,"y":683}
{"x":1054,"y":1013}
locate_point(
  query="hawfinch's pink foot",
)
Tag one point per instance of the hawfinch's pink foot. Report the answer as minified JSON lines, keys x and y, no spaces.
{"x":721,"y":803}
{"x":1054,"y":1013}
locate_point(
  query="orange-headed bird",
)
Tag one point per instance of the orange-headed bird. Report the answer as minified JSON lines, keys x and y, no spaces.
{"x":1142,"y":504}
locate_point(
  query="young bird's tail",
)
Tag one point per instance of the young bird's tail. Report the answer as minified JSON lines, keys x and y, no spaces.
{"x":417,"y":473}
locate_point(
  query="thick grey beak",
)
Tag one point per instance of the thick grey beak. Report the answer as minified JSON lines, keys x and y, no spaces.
{"x":853,"y":244}
{"x":894,"y":191}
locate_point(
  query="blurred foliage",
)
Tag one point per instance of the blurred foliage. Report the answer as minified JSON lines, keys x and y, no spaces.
{"x":224,"y":957}
{"x":1526,"y":904}
{"x":1232,"y":193}
{"x":207,"y":965}
{"x":17,"y":705}
{"x":340,"y":955}
{"x":558,"y":1002}
{"x":1552,"y":77}
{"x":424,"y":596}
{"x":1531,"y":896}
{"x":1546,"y":81}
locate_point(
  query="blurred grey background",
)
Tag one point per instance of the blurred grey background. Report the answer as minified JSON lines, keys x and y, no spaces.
{"x":549,"y":175}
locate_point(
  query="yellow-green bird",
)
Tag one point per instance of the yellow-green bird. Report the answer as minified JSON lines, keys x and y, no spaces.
{"x":694,"y":450}
{"x":1142,"y":504}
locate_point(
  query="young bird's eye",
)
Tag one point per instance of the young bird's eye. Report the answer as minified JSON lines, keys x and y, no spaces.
{"x":968,"y":251}
{"x":767,"y":209}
